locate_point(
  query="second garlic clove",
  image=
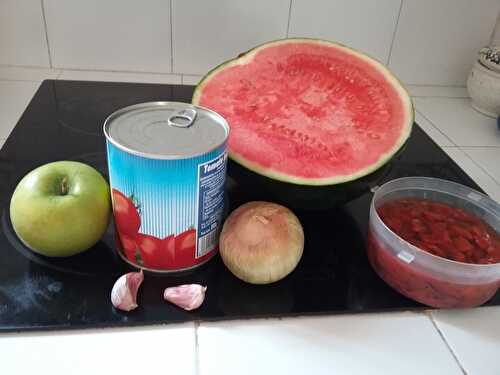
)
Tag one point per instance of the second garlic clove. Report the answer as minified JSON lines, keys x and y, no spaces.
{"x":124,"y":292}
{"x":188,"y":297}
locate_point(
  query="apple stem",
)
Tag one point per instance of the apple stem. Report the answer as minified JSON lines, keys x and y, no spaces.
{"x":64,"y":186}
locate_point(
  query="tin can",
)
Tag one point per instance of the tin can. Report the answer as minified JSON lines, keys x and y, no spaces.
{"x":167,"y":168}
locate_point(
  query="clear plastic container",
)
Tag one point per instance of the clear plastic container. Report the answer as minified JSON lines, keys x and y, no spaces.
{"x":422,"y":276}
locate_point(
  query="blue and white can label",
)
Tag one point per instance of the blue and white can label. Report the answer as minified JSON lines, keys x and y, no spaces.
{"x":211,"y":179}
{"x":167,"y":203}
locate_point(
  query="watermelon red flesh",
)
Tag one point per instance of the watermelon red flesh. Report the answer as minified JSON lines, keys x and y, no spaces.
{"x":309,"y":112}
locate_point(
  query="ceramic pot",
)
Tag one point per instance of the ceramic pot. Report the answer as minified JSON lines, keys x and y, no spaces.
{"x":483,"y":86}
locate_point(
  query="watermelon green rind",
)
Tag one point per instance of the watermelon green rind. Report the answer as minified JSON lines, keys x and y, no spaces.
{"x":248,"y":56}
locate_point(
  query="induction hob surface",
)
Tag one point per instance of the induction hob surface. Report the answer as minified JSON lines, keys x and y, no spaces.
{"x":64,"y":122}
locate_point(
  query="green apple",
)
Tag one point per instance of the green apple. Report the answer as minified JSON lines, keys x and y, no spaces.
{"x":61,"y":208}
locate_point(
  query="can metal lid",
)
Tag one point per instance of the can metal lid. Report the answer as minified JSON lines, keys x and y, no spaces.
{"x":166,"y":130}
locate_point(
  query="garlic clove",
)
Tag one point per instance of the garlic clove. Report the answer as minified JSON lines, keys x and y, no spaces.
{"x":124,"y":292}
{"x":188,"y":297}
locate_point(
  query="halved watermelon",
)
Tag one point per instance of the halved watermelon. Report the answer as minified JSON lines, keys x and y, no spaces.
{"x":309,"y":112}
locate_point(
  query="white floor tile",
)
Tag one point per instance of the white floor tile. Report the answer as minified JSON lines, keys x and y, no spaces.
{"x":89,"y":75}
{"x":459,"y":121}
{"x":403,"y":343}
{"x":14,"y":97}
{"x":474,"y":337}
{"x":483,"y":179}
{"x":437,"y":91}
{"x":488,"y":158}
{"x":168,"y":349}
{"x":432,"y":131}
{"x":188,"y":79}
{"x":19,"y":73}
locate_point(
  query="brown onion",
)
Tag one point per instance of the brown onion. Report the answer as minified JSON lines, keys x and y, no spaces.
{"x":261,"y":242}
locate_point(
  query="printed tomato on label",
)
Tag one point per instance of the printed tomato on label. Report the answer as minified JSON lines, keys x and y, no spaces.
{"x":185,"y":247}
{"x":127,"y":218}
{"x":129,"y":247}
{"x":155,"y":252}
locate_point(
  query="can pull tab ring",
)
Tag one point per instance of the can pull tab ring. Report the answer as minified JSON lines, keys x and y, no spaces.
{"x":183,"y":118}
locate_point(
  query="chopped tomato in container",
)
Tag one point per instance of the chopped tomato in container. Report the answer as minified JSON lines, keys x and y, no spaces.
{"x":435,"y":241}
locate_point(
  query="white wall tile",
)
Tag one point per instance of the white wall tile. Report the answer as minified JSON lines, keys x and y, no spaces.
{"x":22,"y":33}
{"x":363,"y":344}
{"x":206,"y":33}
{"x":92,"y":75}
{"x":474,"y":336}
{"x":131,"y":351}
{"x":115,"y":35}
{"x":367,"y":25}
{"x":437,"y":41}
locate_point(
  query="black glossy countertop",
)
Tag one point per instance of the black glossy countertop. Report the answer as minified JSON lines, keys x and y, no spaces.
{"x":64,"y":121}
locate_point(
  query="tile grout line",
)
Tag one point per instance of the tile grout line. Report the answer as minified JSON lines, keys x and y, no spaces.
{"x":88,"y":70}
{"x":189,"y":74}
{"x":440,"y":96}
{"x":59,"y":73}
{"x":477,"y":164}
{"x":92,"y":70}
{"x":23,"y":80}
{"x":172,"y":39}
{"x":101,"y":70}
{"x":196,"y":349}
{"x":177,"y":75}
{"x":436,"y":85}
{"x":447,"y":344}
{"x":492,"y":147}
{"x":461,"y":148}
{"x":289,"y":18}
{"x":46,"y":33}
{"x":395,"y":32}
{"x":473,"y":161}
{"x":461,"y":86}
{"x":23,"y":66}
{"x":447,"y":96}
{"x":435,"y":127}
{"x":496,"y":29}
